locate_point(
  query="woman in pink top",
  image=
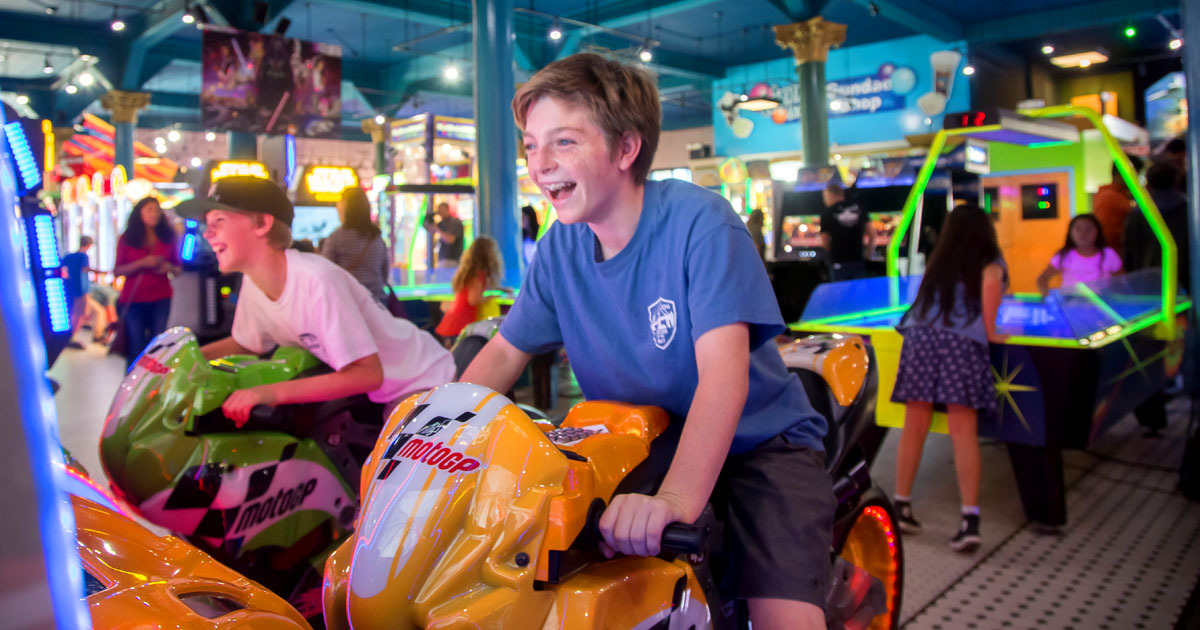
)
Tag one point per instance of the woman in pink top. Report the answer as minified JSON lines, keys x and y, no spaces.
{"x":1085,"y":257}
{"x":147,"y":257}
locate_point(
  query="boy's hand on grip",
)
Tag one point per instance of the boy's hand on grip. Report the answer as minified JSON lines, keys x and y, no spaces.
{"x":633,"y":523}
{"x":237,"y":407}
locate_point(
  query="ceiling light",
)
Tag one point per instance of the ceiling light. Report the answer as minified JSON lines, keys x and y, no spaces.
{"x":1175,"y":44}
{"x":210,"y":136}
{"x":380,"y":119}
{"x":188,"y":17}
{"x":968,"y":70}
{"x":85,"y":79}
{"x":22,"y":99}
{"x":70,"y":88}
{"x":117,"y":23}
{"x":1130,"y":32}
{"x":645,"y":55}
{"x":173,"y":135}
{"x":1075,"y":60}
{"x":450,"y":72}
{"x":196,"y":162}
{"x":1047,"y":49}
{"x":46,"y":67}
{"x":160,"y":140}
{"x":757,"y":104}
{"x":555,"y":32}
{"x":837,"y":157}
{"x":51,"y":10}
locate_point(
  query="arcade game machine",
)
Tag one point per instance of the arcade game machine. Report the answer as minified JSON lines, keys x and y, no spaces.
{"x":799,"y":264}
{"x":1077,"y":361}
{"x":433,"y":162}
{"x":315,"y":195}
{"x":39,"y":559}
{"x":205,"y":298}
{"x":21,"y":142}
{"x":882,"y":189}
{"x":98,"y":207}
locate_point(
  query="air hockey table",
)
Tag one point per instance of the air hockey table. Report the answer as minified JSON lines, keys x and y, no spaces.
{"x":1077,"y":361}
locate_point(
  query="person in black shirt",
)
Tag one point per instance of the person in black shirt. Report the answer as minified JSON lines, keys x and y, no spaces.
{"x":449,"y":233}
{"x":843,"y":226}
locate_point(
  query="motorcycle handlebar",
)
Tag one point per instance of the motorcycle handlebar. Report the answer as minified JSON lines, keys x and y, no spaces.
{"x":684,"y":538}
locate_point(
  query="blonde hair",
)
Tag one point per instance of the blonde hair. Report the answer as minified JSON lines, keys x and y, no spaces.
{"x":482,"y":256}
{"x":621,"y":99}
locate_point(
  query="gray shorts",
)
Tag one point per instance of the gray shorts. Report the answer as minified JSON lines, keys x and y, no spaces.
{"x":777,"y":505}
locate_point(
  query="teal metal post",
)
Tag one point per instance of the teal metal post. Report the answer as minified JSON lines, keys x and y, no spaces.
{"x":123,"y":147}
{"x":243,"y":146}
{"x":496,"y":135}
{"x":814,"y":119}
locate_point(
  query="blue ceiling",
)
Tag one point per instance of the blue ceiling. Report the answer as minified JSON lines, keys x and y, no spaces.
{"x":394,"y":50}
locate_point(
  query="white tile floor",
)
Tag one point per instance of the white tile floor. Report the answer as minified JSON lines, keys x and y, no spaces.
{"x":1128,"y":558}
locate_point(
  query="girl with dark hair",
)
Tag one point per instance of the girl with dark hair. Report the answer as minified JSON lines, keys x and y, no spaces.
{"x":1085,"y":256}
{"x":357,"y":246}
{"x":944,"y":359}
{"x":147,"y":257}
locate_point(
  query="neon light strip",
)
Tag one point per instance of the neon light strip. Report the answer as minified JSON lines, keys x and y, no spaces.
{"x":888,"y":310}
{"x":289,"y":152}
{"x":22,"y":155}
{"x":43,"y":231}
{"x":189,"y":247}
{"x":56,"y":303}
{"x":1099,"y":303}
{"x":823,"y":328}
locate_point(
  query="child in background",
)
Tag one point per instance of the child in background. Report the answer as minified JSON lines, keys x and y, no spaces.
{"x":77,"y":266}
{"x":944,"y":360}
{"x":1085,"y":256}
{"x":480,"y":269}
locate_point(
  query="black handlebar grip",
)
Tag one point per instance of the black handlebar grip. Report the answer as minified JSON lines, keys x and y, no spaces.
{"x":684,"y":538}
{"x":263,"y":413}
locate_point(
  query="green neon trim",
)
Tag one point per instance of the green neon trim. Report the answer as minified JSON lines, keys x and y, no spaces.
{"x":1099,"y":303}
{"x":1170,"y":253}
{"x":841,"y":330}
{"x":1052,"y":143}
{"x":551,"y":217}
{"x":412,"y":240}
{"x":1028,"y":297}
{"x":910,"y":210}
{"x":888,"y":310}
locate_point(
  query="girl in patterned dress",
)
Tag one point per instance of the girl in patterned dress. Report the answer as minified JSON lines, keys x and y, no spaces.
{"x":944,"y":359}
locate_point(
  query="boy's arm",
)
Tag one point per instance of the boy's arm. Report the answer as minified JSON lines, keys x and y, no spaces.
{"x":633,"y":523}
{"x":357,"y":377}
{"x":222,"y":348}
{"x":497,"y":365}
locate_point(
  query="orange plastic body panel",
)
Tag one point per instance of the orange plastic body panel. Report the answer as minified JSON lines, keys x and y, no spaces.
{"x":841,"y":361}
{"x":628,"y":592}
{"x":611,"y":455}
{"x":145,"y":575}
{"x":1028,"y":244}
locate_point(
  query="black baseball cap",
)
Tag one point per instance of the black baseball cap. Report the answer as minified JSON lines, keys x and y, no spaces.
{"x":240,"y":193}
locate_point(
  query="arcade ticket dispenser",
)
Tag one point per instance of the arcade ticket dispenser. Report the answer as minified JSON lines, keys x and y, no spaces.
{"x":21,"y":140}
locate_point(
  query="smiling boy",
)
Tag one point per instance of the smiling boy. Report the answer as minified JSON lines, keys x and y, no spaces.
{"x":289,"y":298}
{"x":657,"y":294}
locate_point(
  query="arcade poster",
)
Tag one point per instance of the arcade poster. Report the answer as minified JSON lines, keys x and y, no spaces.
{"x":269,"y":84}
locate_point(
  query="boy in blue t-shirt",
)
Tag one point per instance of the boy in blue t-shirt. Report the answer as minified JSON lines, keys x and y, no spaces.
{"x":657,"y":294}
{"x":77,"y":267}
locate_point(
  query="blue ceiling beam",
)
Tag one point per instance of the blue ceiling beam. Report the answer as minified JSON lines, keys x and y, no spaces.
{"x":431,"y":13}
{"x":920,"y":17}
{"x":1052,"y":21}
{"x":629,"y":14}
{"x":159,"y":29}
{"x":796,"y":10}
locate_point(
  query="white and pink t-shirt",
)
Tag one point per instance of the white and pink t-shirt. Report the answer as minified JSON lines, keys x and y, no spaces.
{"x":1076,"y":267}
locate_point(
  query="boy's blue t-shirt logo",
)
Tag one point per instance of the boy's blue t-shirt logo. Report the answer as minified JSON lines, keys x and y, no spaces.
{"x":662,"y":322}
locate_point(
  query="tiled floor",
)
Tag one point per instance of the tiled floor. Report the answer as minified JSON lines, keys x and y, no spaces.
{"x":1128,"y":558}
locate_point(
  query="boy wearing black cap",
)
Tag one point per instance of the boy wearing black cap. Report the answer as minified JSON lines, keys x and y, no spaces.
{"x":289,"y":298}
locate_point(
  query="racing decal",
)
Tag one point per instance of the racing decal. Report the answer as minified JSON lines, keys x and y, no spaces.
{"x":426,"y":457}
{"x":663,"y":320}
{"x":218,"y":504}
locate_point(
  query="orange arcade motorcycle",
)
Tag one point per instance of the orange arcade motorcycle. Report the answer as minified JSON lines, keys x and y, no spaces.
{"x":475,"y":516}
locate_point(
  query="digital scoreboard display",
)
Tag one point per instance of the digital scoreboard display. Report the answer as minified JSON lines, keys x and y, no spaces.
{"x":978,"y":118}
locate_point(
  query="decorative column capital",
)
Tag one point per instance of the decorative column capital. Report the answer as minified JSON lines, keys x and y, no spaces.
{"x":125,"y":105}
{"x":378,"y":132}
{"x":810,"y":40}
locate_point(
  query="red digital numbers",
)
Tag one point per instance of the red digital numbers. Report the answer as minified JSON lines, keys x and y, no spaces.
{"x":980,"y":117}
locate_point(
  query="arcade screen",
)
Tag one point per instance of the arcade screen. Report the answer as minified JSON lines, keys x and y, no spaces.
{"x":1167,"y":108}
{"x":314,"y":223}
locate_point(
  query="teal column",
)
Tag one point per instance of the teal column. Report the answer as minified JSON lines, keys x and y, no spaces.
{"x":1191,"y":66}
{"x":243,"y":146}
{"x":814,"y":118}
{"x":496,"y":134}
{"x":810,"y":41}
{"x":123,"y":147}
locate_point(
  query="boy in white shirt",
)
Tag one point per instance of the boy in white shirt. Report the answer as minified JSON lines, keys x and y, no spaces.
{"x":289,"y":298}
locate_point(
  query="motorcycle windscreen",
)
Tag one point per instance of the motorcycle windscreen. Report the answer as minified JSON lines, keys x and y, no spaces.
{"x":454,"y":512}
